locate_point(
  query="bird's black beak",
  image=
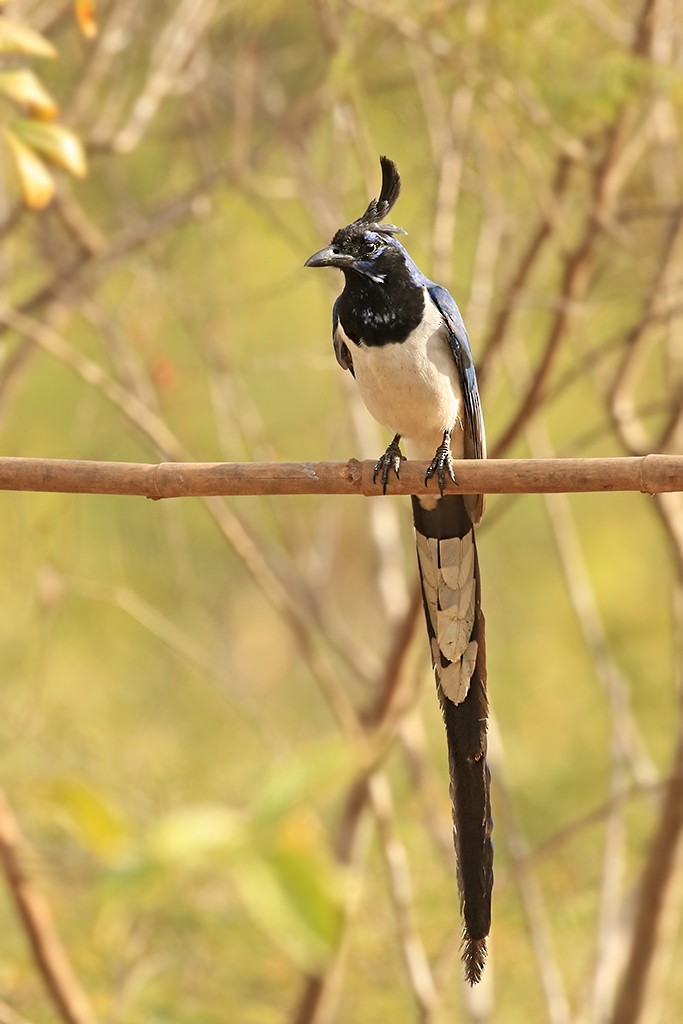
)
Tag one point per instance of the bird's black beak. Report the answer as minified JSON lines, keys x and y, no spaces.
{"x":329,"y":257}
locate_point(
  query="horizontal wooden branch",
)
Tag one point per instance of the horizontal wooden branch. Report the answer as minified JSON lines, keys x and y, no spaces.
{"x":650,"y":474}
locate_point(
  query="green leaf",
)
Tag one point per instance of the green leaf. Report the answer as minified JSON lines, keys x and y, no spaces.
{"x":318,"y":767}
{"x":292,"y":888}
{"x":297,"y":900}
{"x":285,"y":878}
{"x":25,"y":88}
{"x":317,"y":889}
{"x":90,"y":817}
{"x":54,"y":143}
{"x":18,"y":38}
{"x":36,"y":182}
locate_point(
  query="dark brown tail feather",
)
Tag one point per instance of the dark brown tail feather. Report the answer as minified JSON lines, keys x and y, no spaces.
{"x":469,"y":774}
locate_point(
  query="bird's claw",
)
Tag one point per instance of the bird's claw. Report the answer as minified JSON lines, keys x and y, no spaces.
{"x":391,"y":459}
{"x":441,"y":464}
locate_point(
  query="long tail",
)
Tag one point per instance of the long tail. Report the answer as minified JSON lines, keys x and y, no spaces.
{"x":451,"y":593}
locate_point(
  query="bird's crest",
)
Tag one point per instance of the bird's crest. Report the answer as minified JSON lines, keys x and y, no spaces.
{"x":379,"y":208}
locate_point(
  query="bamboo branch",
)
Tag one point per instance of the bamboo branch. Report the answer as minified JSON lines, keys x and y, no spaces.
{"x":650,"y":474}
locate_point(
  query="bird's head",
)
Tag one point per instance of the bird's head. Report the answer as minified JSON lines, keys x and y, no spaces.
{"x":367,"y":246}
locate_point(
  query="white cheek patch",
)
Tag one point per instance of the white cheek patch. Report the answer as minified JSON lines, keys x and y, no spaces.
{"x":447,"y":570}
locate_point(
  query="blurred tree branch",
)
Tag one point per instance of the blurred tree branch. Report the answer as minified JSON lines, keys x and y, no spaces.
{"x":56,"y":971}
{"x":552,"y":195}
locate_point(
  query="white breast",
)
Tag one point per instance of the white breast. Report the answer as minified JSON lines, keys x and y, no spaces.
{"x":413,"y":387}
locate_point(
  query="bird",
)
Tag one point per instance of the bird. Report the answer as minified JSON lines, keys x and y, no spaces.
{"x":402,"y":337}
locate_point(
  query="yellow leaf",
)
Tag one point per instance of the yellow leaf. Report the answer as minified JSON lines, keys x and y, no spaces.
{"x":54,"y":143}
{"x":85,"y":16}
{"x":93,"y":820}
{"x":24,"y":87}
{"x":37,"y":186}
{"x":18,"y":38}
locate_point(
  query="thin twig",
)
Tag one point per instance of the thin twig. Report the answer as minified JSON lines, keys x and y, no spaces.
{"x":635,"y":350}
{"x":497,"y":334}
{"x":49,"y":954}
{"x":10,"y":1016}
{"x":608,"y":179}
{"x":396,"y":862}
{"x":656,"y":879}
{"x":154,"y":429}
{"x":176,"y":43}
{"x":627,"y":746}
{"x":530,"y":893}
{"x":319,"y":994}
{"x":602,"y":812}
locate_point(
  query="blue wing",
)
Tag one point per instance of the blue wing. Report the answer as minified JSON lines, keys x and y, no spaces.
{"x":460,"y":346}
{"x":341,"y":350}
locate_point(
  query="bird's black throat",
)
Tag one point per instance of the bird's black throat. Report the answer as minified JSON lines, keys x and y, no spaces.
{"x":380,"y":313}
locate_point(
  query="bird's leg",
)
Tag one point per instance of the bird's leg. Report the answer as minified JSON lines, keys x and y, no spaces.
{"x":442,"y":462}
{"x":391,"y":459}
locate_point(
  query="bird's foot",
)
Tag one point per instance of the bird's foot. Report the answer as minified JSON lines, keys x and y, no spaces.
{"x":391,"y":459}
{"x":442,"y":463}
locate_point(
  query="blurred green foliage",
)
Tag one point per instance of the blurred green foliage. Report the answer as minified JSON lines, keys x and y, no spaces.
{"x":165,"y":742}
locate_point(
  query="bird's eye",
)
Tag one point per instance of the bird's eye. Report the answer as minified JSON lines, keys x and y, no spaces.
{"x":370,"y":248}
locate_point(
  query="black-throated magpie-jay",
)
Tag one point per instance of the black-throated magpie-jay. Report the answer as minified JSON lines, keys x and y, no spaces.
{"x":403,"y":339}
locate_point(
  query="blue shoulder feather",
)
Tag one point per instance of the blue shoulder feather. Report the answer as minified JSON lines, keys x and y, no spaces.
{"x":460,"y":346}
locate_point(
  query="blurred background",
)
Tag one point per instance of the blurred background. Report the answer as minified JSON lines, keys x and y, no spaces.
{"x":219,"y":731}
